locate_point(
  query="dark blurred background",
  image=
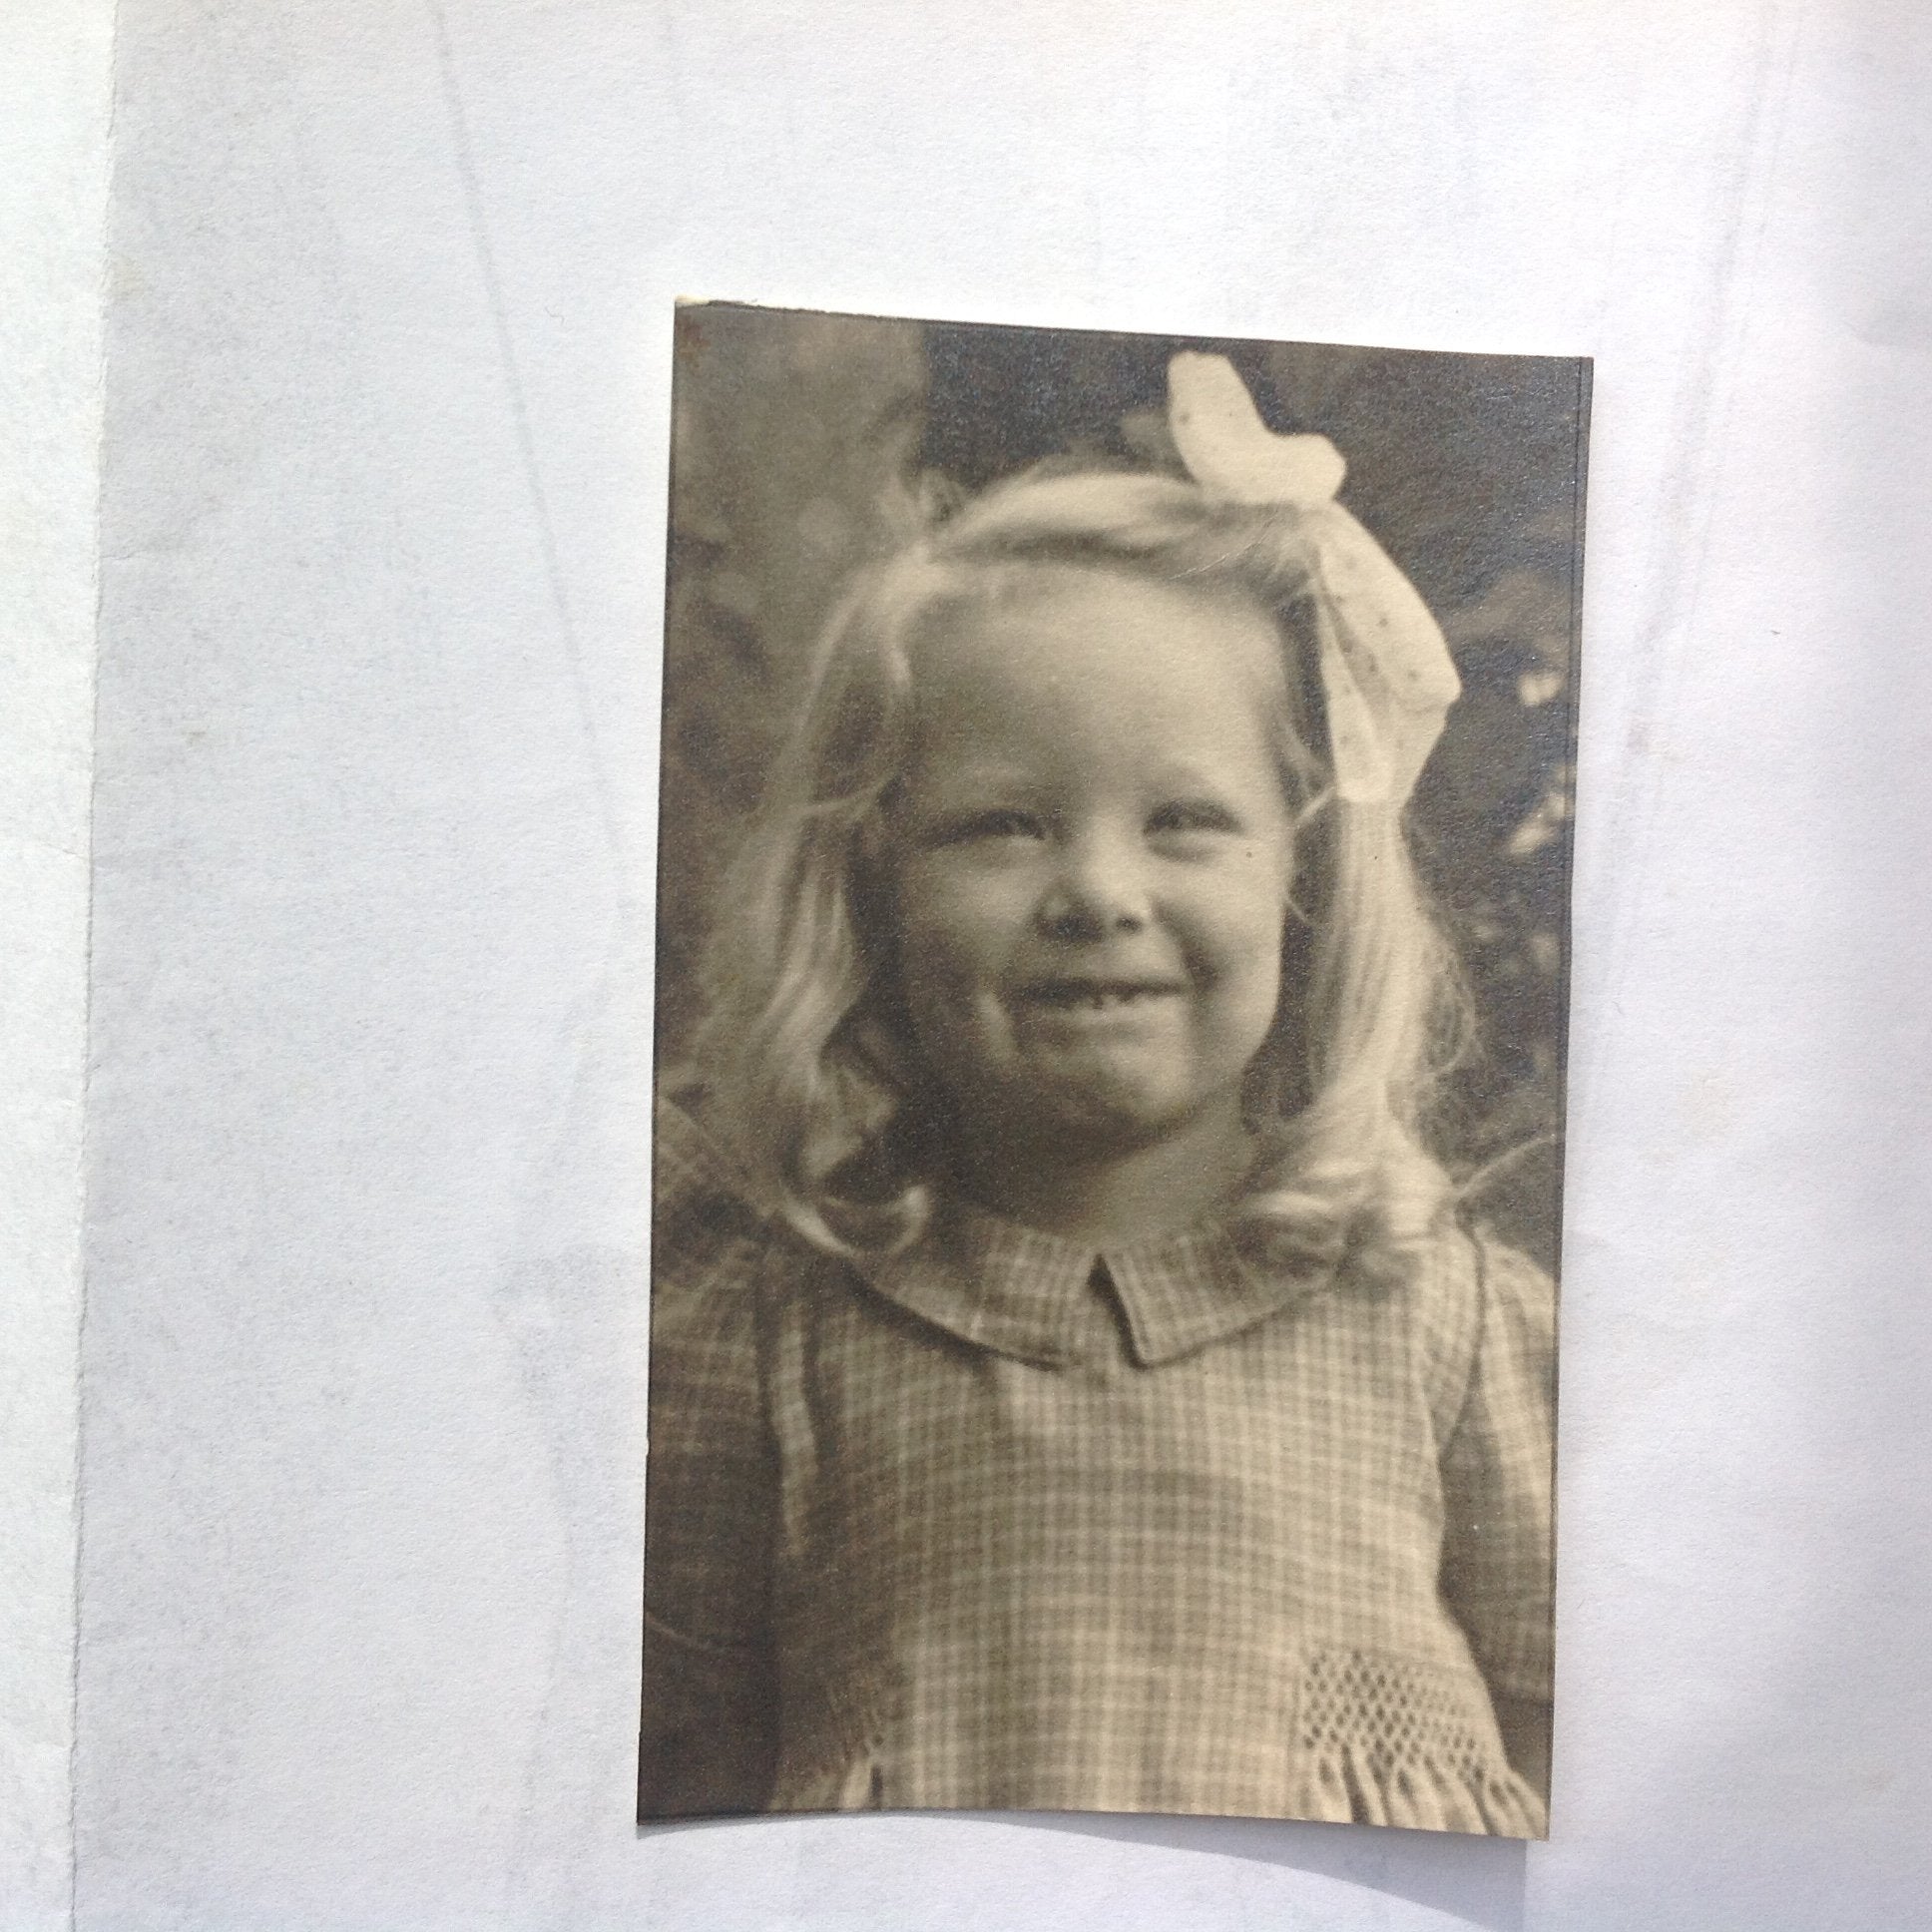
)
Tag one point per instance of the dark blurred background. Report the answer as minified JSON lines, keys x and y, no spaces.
{"x":789,"y":425}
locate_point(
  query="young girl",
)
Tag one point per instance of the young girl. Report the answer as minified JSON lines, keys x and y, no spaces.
{"x":1071,"y":1387}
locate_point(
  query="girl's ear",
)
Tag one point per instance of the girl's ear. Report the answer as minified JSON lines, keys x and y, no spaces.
{"x":879,"y":1045}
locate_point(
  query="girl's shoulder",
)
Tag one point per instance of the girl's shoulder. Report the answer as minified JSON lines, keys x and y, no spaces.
{"x":1477,"y":1297}
{"x":1501,"y":1270}
{"x":1471,"y":1268}
{"x":690,"y":1165}
{"x":709,"y":1240}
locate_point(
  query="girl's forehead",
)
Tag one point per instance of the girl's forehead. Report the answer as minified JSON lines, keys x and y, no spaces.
{"x":1094,"y":671}
{"x":1051,"y":627}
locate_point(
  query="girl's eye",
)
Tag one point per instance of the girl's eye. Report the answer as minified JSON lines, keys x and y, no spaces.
{"x":1001,"y":823}
{"x":1184,"y":815}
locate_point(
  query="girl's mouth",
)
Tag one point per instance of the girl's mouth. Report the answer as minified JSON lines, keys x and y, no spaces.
{"x":1096,"y":995}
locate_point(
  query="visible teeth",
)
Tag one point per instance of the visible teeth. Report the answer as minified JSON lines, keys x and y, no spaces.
{"x":1095,"y":998}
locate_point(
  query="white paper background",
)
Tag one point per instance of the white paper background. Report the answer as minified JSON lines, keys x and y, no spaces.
{"x":382,"y":534}
{"x":54,"y":96}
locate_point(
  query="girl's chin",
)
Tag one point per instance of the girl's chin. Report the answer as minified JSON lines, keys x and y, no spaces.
{"x":1087,"y":1119}
{"x":1087,"y":1103}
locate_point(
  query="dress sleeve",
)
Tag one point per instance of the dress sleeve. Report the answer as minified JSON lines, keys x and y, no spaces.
{"x":709,"y":1738}
{"x":1496,"y":1469}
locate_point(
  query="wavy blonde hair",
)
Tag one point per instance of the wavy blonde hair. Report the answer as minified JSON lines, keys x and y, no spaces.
{"x":810,"y":1074}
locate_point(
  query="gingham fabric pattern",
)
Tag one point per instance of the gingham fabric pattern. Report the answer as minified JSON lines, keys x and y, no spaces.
{"x":1005,"y":1524}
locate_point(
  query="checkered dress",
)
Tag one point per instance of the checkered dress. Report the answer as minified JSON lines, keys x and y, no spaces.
{"x":1001,"y":1522}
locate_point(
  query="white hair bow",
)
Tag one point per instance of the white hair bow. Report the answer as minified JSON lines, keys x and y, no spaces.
{"x":1386,"y":673}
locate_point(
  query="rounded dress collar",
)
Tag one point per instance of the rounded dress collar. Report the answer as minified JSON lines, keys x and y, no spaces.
{"x":1020,"y":1292}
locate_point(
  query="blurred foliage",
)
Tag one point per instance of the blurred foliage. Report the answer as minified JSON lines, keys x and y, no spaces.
{"x":788,"y":427}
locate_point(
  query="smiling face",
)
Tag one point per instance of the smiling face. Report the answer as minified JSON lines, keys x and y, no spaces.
{"x":1091,"y":859}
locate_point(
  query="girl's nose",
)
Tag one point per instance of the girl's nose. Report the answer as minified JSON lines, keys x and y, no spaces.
{"x":1099,"y":888}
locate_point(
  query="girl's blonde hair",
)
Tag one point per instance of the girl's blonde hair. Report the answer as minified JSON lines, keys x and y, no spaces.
{"x":810,"y":1074}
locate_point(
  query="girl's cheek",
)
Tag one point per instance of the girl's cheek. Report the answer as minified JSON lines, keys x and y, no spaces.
{"x":969,"y":895}
{"x":1248,"y":890}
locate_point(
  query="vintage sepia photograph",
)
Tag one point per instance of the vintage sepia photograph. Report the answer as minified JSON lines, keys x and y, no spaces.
{"x":1113,"y":946}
